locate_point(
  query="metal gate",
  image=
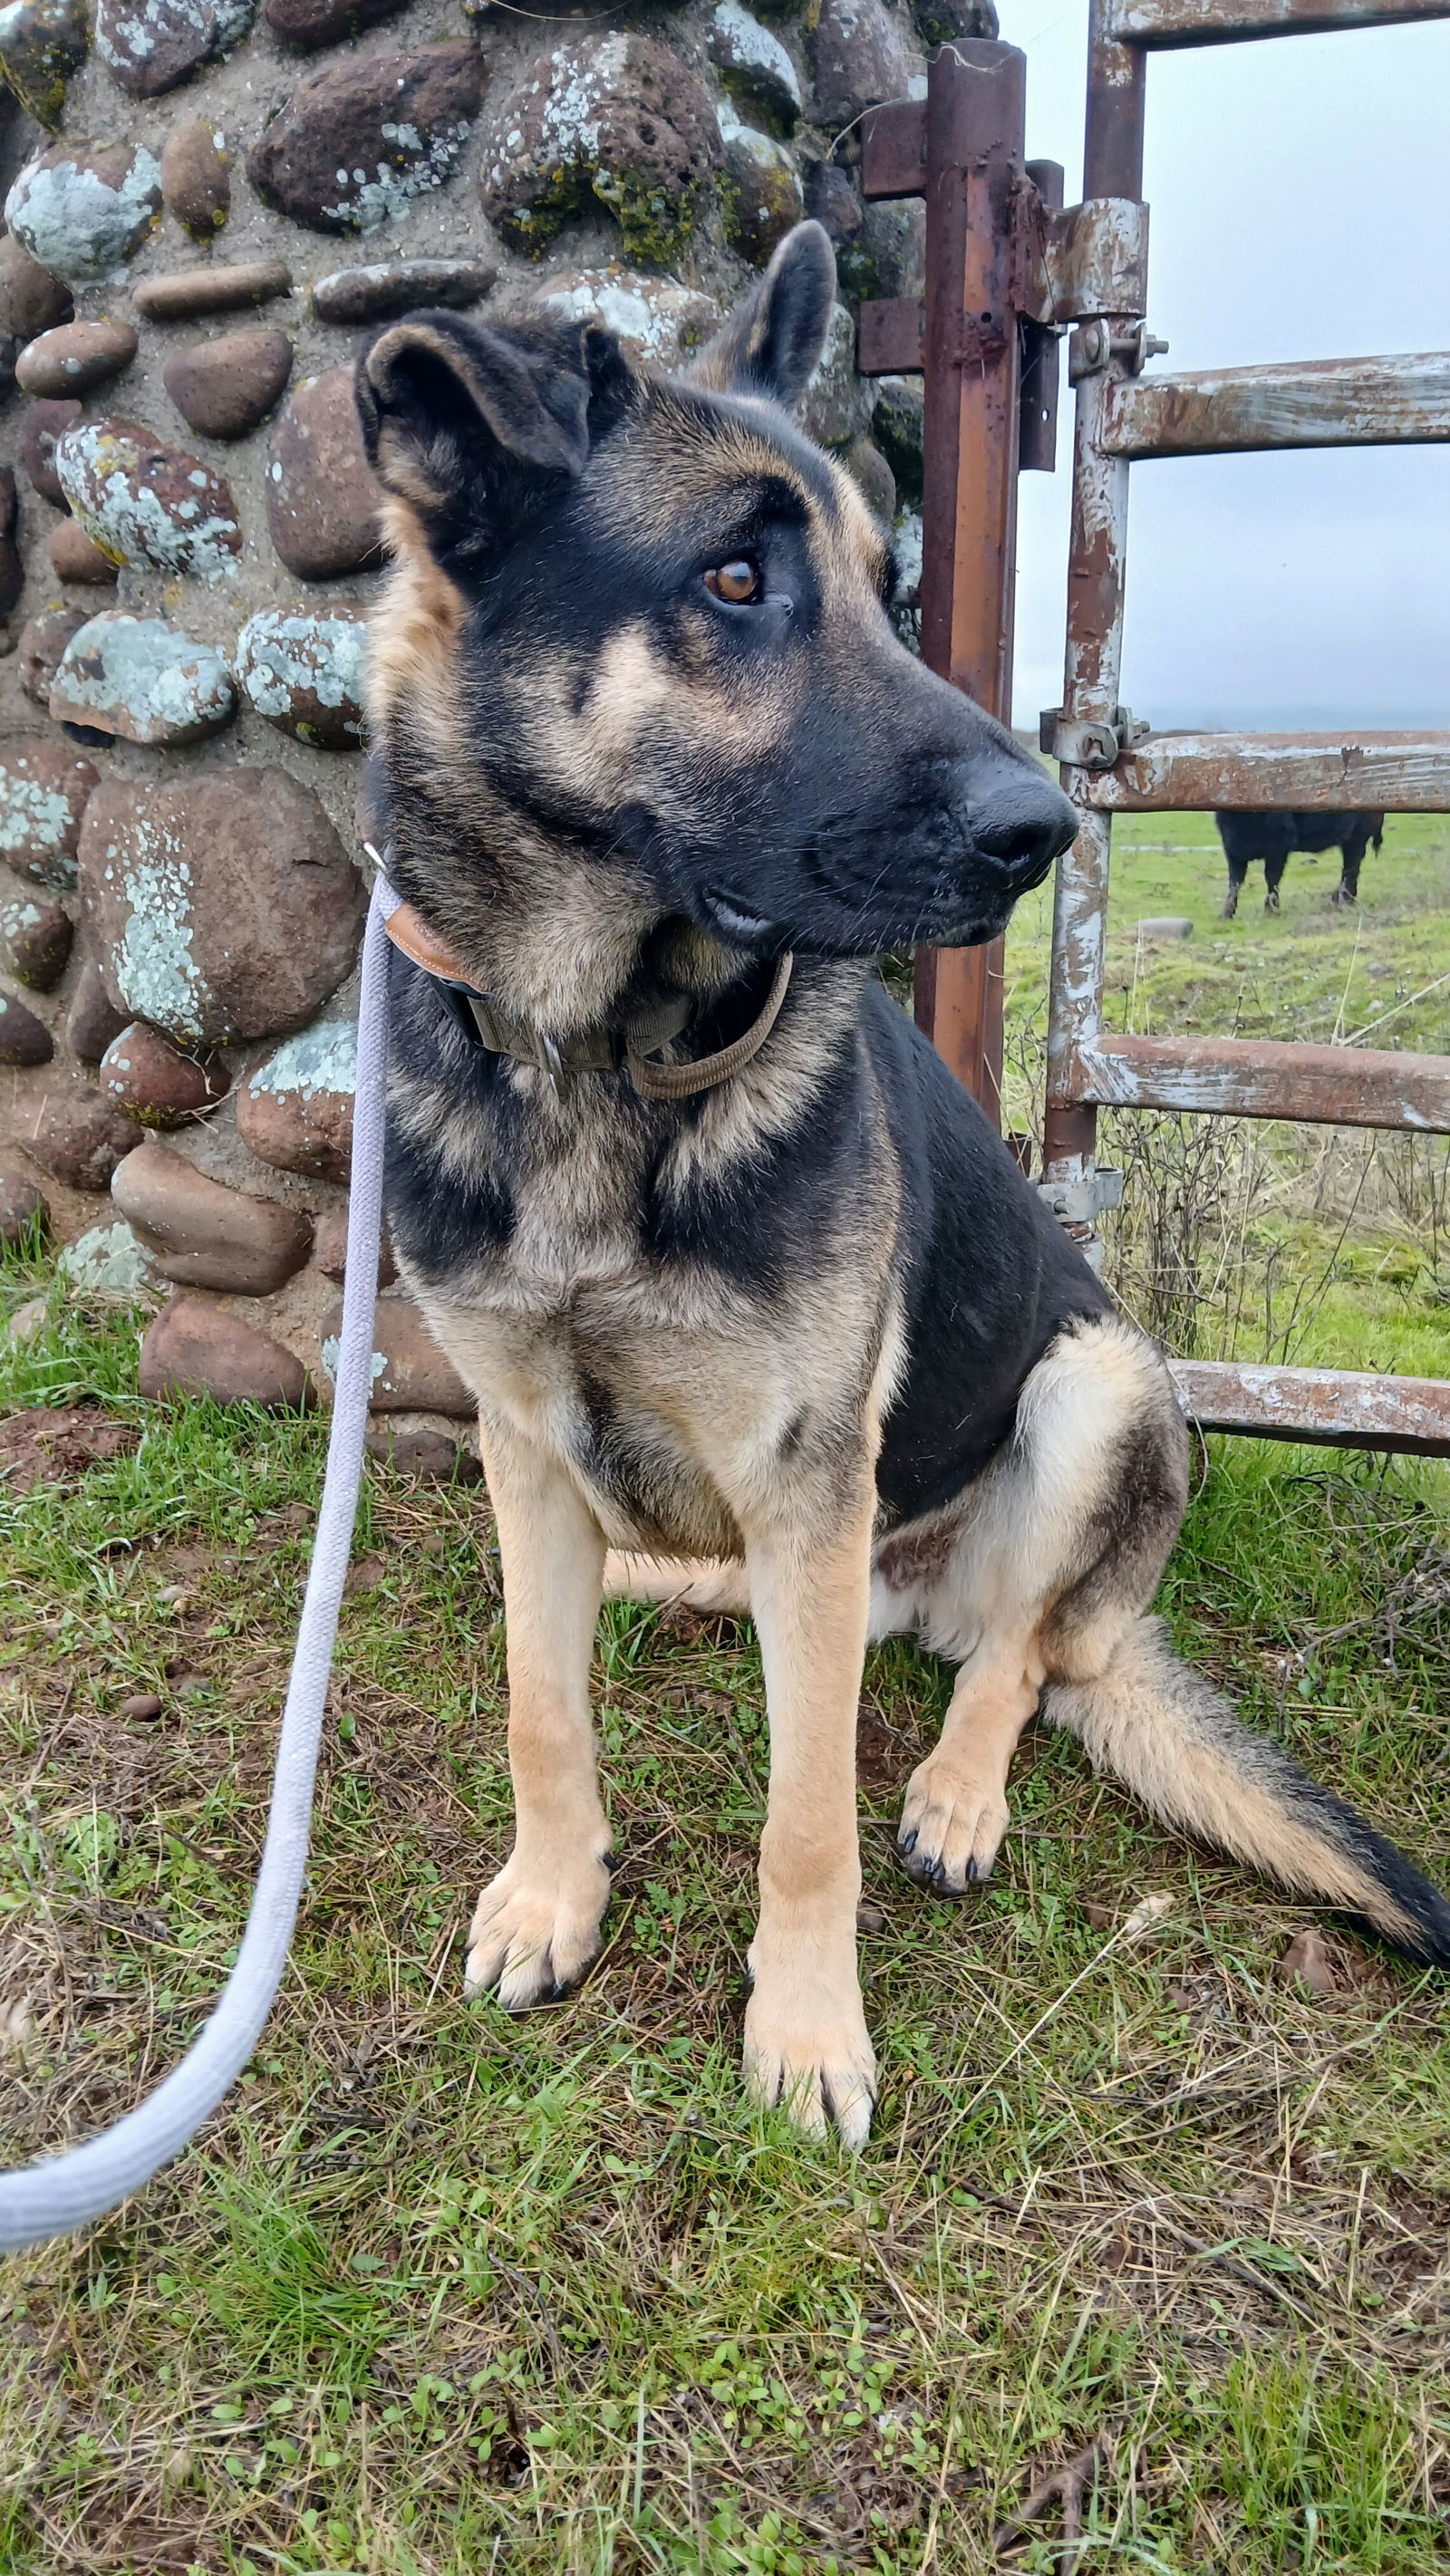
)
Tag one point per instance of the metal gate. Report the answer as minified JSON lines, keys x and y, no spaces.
{"x":1007,"y":270}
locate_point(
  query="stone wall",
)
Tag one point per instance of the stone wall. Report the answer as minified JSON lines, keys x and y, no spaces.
{"x":206,"y":204}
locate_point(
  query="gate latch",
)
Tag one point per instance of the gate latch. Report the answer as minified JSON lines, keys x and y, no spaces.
{"x":1082,"y":1202}
{"x":1090,"y":744}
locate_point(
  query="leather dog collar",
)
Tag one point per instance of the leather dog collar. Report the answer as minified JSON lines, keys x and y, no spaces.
{"x":602,"y":1049}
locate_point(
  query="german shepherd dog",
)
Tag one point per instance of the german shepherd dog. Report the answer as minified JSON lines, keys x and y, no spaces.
{"x":758,"y":1310}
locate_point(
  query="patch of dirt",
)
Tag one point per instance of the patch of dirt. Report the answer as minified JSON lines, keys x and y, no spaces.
{"x":55,"y":1444}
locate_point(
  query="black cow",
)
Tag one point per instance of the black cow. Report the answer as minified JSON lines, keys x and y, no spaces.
{"x":1271,"y":837}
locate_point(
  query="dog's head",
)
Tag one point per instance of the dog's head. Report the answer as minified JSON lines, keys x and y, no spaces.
{"x":635,"y":661}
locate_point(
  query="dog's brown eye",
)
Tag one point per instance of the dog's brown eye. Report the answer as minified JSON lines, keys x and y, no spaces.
{"x":738,"y":581}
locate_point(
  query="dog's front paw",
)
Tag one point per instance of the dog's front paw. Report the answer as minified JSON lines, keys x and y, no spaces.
{"x":951,"y":1826}
{"x":536,"y":1928}
{"x":807,"y":2048}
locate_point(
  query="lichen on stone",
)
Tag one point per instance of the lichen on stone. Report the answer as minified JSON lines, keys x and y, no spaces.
{"x":155,"y":972}
{"x":36,"y":818}
{"x":322,"y":1058}
{"x":108,"y":1259}
{"x":79,"y":224}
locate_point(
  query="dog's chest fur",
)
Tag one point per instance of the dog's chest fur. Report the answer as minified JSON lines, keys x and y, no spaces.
{"x":672,"y":1388}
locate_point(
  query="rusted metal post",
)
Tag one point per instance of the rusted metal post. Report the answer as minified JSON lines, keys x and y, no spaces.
{"x":1112,"y":164}
{"x":975,"y":129}
{"x":1097,"y":553}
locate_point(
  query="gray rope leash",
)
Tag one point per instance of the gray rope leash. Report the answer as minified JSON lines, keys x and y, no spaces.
{"x":64,"y":2192}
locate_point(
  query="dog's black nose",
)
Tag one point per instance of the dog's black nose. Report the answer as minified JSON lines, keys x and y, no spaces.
{"x":1022,"y":825}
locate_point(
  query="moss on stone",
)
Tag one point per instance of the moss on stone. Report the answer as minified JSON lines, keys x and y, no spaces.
{"x":653,"y":224}
{"x":758,"y":99}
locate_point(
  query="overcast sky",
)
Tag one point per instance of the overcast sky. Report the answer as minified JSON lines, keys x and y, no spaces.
{"x":1300,"y":195}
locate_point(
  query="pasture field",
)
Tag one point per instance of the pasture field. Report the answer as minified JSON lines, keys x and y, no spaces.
{"x":440,"y":2293}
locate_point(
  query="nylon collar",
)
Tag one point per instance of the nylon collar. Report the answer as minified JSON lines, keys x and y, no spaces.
{"x":611,"y":1046}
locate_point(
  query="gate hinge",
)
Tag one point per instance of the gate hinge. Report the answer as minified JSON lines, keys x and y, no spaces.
{"x":1090,"y":744}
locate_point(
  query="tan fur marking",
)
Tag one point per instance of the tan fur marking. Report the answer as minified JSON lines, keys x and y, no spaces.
{"x":414,"y":630}
{"x":806,"y":2042}
{"x":536,"y":1926}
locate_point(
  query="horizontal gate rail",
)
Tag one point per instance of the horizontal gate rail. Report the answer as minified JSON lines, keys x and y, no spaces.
{"x":1156,"y":24}
{"x":1240,"y":411}
{"x":1335,"y":1408}
{"x":1331,"y":1086}
{"x":1202,"y":773}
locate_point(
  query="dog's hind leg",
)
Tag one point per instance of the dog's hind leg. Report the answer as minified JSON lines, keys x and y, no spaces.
{"x":537,"y":1924}
{"x":1082,"y":1507}
{"x":1062,"y":1544}
{"x":714,"y":1590}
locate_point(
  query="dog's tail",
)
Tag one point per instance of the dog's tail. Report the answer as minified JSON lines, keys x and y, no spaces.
{"x":1175,"y":1741}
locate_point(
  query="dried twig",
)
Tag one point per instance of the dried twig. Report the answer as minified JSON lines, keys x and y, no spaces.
{"x":1067,"y":2487}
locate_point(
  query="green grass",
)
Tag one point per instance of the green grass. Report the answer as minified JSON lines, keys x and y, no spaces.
{"x":439,"y":2292}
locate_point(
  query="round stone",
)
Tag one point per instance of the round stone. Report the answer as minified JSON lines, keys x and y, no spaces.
{"x":898,"y":427}
{"x":224,"y":388}
{"x":44,"y":786}
{"x":617,"y":119}
{"x":71,"y":360}
{"x":154,"y":1084}
{"x":832,"y":201}
{"x":359,"y":140}
{"x":307,"y":24}
{"x":760,"y":193}
{"x":43,"y":424}
{"x":195,"y":1348}
{"x":425,"y":1446}
{"x":296,"y":1111}
{"x":322,"y":494}
{"x":23,"y":1204}
{"x":861,"y":53}
{"x":354,"y":295}
{"x":755,"y":70}
{"x":31,"y":300}
{"x":941,"y":22}
{"x":196,"y":178}
{"x":24,"y":1040}
{"x":41,"y":644}
{"x":35,"y":937}
{"x":837,"y":404}
{"x":82,"y":209}
{"x":136,"y":677}
{"x":221,"y":903}
{"x":78,"y":1138}
{"x":149,"y":46}
{"x":305,"y":674}
{"x":330,"y":1251}
{"x":146,"y":505}
{"x":411,"y":1374}
{"x":868,"y":468}
{"x":41,"y":43}
{"x":93,"y":1019}
{"x":187,"y":292}
{"x":657,"y":322}
{"x":73,"y":558}
{"x":202,"y":1235}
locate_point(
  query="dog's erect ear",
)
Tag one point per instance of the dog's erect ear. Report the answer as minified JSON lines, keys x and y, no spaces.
{"x":473,"y":423}
{"x":773,"y":341}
